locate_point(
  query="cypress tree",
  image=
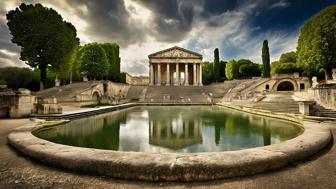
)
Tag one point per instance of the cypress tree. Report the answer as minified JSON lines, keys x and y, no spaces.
{"x":265,"y":59}
{"x":216,"y":65}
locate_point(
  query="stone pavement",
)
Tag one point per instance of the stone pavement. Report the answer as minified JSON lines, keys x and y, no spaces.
{"x":17,"y":171}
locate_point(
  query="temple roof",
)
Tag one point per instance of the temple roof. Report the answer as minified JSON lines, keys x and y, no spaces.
{"x":175,"y":52}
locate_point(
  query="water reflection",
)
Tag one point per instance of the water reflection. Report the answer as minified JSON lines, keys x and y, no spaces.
{"x":172,"y":128}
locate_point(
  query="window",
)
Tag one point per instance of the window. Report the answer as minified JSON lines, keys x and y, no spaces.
{"x":302,"y":86}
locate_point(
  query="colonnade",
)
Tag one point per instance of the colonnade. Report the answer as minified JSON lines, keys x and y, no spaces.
{"x":175,"y":74}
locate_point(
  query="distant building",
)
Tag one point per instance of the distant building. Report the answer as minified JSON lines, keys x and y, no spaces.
{"x":175,"y":66}
{"x":136,"y":80}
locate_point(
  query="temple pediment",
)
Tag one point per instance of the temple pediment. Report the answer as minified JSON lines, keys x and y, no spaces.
{"x":175,"y":52}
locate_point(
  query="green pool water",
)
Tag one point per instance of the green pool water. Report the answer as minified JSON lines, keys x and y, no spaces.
{"x":172,"y":129}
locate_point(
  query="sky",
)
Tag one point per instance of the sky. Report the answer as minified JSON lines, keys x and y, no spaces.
{"x":141,"y":27}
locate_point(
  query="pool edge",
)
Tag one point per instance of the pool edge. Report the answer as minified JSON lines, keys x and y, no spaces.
{"x":172,"y":166}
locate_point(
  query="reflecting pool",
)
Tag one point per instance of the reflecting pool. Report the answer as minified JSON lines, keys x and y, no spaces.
{"x":172,"y":129}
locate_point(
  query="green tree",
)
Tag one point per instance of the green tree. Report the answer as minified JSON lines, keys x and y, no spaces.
{"x":317,"y":43}
{"x":289,"y":57}
{"x":44,"y":37}
{"x":249,"y":70}
{"x":93,"y":61}
{"x":221,"y":67}
{"x":265,"y":60}
{"x":112,"y":53}
{"x":232,"y":70}
{"x":16,"y":78}
{"x":216,"y":65}
{"x":286,"y":68}
{"x":207,"y":73}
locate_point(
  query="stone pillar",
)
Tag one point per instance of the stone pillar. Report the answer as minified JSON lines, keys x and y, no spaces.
{"x":177,"y":81}
{"x":304,"y":107}
{"x":194,"y":75}
{"x":168,"y":75}
{"x":151,"y":72}
{"x":200,"y":75}
{"x":159,"y":74}
{"x":186,"y":75}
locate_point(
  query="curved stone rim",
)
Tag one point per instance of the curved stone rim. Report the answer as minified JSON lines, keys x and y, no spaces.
{"x":171,"y":166}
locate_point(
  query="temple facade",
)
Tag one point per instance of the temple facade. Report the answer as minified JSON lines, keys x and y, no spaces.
{"x":175,"y":66}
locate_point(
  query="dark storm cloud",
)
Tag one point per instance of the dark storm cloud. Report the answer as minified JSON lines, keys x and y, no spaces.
{"x":109,"y":20}
{"x":172,"y":19}
{"x":5,"y":42}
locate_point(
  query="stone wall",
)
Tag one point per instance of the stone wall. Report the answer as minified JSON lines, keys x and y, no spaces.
{"x":104,"y":92}
{"x":137,"y":80}
{"x":16,"y":104}
{"x":325,"y":96}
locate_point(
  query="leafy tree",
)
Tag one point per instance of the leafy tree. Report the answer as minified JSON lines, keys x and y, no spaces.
{"x":112,"y":53}
{"x":44,"y":37}
{"x":317,"y":43}
{"x":289,"y":57}
{"x":286,"y":68}
{"x":93,"y":61}
{"x":221,"y":67}
{"x":16,"y":77}
{"x":216,"y":65}
{"x":249,"y":70}
{"x":207,"y":73}
{"x":232,"y":70}
{"x":265,"y":59}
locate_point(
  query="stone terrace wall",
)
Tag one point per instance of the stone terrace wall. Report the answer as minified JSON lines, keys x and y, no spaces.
{"x":324,"y":95}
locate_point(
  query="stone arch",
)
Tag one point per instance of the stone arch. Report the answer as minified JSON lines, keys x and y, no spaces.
{"x":96,"y":95}
{"x":285,"y":85}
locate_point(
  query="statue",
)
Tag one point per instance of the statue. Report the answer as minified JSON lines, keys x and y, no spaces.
{"x":315,"y":83}
{"x":334,"y":74}
{"x":57,"y":82}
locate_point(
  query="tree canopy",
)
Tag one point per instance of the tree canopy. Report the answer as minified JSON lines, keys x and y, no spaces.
{"x":232,"y":70}
{"x":16,"y":77}
{"x":207,"y":73}
{"x":286,"y":64}
{"x":216,"y":65}
{"x":93,"y":61}
{"x":112,"y":53}
{"x":265,"y":56}
{"x":317,"y":43}
{"x":46,"y":40}
{"x":289,"y":57}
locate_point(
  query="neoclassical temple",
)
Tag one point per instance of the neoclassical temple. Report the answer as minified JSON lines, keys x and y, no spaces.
{"x":175,"y":66}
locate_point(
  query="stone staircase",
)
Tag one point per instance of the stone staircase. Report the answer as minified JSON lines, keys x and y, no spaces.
{"x":321,"y":111}
{"x":134,"y":92}
{"x":281,"y":102}
{"x":177,"y":94}
{"x":67,"y":92}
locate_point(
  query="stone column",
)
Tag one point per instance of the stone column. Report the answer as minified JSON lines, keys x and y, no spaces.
{"x":200,"y":75}
{"x":168,"y":75}
{"x":159,"y":74}
{"x":186,"y":75}
{"x":151,"y":72}
{"x":194,"y":75}
{"x":177,"y":81}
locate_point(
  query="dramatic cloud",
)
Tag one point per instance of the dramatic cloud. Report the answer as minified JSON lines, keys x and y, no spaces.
{"x":282,"y":3}
{"x":142,"y":27}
